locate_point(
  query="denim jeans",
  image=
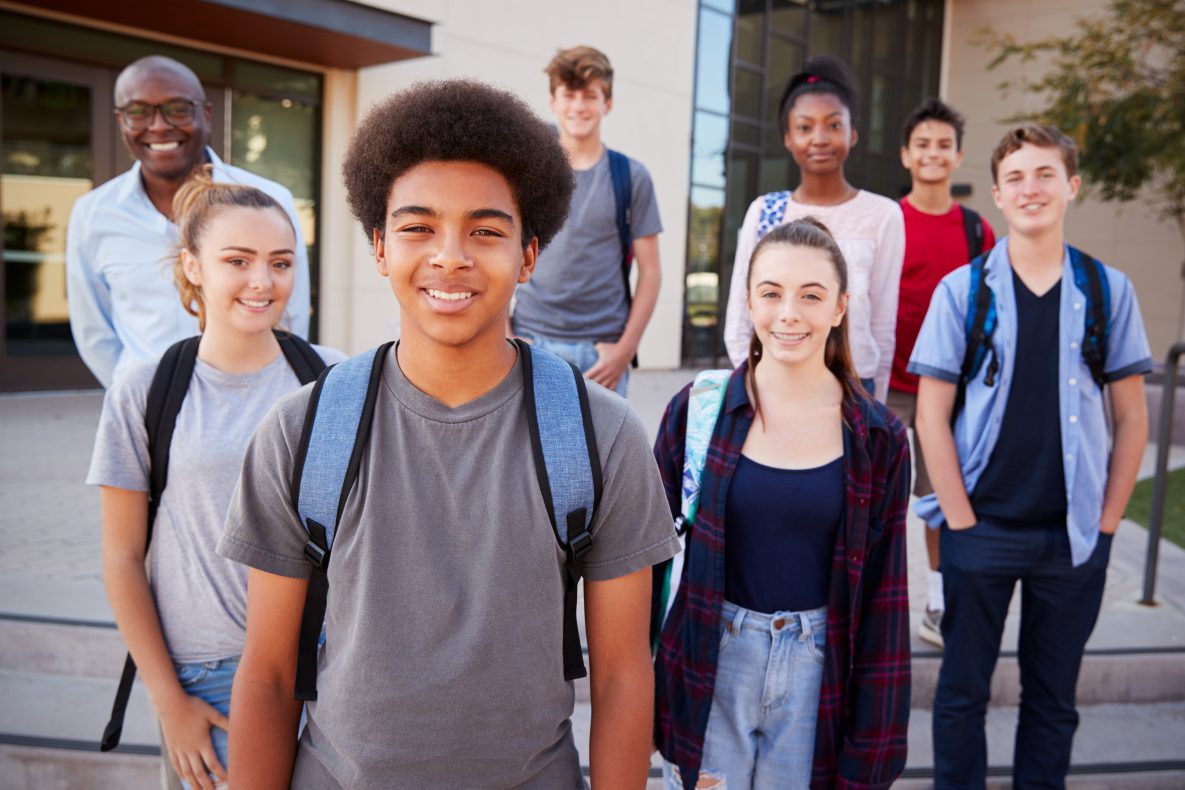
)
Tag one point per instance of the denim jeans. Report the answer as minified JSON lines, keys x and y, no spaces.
{"x":210,"y":681}
{"x":581,"y":353}
{"x":761,"y":728}
{"x":1058,"y":608}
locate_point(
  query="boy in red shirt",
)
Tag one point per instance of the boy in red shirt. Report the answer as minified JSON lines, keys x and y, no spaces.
{"x":940,"y":236}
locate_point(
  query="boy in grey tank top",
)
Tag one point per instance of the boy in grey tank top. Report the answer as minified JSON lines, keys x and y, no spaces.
{"x":442,"y":665}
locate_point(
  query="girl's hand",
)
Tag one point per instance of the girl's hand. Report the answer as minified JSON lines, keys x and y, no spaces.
{"x":186,"y":726}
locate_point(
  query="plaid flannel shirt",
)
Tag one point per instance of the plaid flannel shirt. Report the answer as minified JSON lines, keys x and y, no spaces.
{"x":863,"y":717}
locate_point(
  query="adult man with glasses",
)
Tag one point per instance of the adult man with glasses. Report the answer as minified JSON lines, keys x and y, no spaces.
{"x":123,"y":305}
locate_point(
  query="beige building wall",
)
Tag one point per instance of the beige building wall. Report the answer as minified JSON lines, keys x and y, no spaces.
{"x":1127,"y":236}
{"x":652,"y":47}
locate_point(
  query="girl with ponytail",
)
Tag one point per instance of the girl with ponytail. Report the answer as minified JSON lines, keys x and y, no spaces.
{"x":784,"y":659}
{"x":184,"y":624}
{"x":818,"y":116}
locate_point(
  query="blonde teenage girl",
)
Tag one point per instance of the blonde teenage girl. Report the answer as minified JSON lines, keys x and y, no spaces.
{"x":184,"y":623}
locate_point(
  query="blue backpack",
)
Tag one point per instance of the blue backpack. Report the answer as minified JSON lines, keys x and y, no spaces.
{"x":336,"y":433}
{"x":703,"y":412}
{"x":981,"y":319}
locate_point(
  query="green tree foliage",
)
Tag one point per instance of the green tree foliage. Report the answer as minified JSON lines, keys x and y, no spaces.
{"x":1115,"y":82}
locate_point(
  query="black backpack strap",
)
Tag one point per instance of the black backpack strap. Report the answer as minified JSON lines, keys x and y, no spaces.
{"x":1097,"y":314}
{"x":304,"y":360}
{"x":169,"y":386}
{"x":973,"y":230}
{"x":979,"y":332}
{"x":322,"y":530}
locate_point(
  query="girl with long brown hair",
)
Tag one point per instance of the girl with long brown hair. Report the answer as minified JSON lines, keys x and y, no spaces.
{"x":784,"y":659}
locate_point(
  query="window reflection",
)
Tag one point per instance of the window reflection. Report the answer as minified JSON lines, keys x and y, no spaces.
{"x":708,"y":149}
{"x":47,"y":166}
{"x":711,"y":61}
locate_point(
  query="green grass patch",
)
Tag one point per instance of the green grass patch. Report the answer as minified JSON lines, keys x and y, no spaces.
{"x":1139,"y":509}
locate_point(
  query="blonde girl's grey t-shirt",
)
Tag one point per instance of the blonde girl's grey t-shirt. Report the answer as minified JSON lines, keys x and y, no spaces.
{"x":201,"y":598}
{"x":442,"y":665}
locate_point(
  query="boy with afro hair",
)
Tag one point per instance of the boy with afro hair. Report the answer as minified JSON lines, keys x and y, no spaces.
{"x":442,"y":664}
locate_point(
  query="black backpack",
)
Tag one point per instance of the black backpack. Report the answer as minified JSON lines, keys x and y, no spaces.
{"x":169,"y":387}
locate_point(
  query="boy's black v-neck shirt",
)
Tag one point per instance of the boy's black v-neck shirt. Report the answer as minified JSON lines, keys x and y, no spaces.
{"x":1024,"y":483}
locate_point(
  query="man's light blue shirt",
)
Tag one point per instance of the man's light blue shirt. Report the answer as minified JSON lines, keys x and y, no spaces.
{"x":124,"y":306}
{"x":1084,"y":429}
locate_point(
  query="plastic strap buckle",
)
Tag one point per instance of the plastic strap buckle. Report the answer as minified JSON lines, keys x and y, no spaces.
{"x":579,"y":545}
{"x":316,"y":555}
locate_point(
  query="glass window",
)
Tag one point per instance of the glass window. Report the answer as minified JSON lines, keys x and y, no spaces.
{"x":746,"y":134}
{"x":726,"y":6}
{"x":750,"y":31}
{"x":788,"y":17}
{"x":46,"y":138}
{"x":711,"y":61}
{"x":785,"y":58}
{"x":746,"y":93}
{"x":266,"y":79}
{"x":703,"y":278}
{"x":826,"y":31}
{"x":709,"y":146}
{"x":277,"y":139}
{"x":878,"y":115}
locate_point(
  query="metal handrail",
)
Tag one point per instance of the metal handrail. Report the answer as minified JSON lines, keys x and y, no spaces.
{"x":1160,"y":486}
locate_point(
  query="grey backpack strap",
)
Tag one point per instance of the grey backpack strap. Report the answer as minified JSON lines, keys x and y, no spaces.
{"x":336,"y":431}
{"x":568,"y":468}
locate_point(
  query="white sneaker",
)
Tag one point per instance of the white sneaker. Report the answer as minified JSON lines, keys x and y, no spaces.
{"x":930,"y":629}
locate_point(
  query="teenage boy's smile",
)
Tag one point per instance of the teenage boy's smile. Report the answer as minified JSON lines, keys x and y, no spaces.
{"x":453,"y":252}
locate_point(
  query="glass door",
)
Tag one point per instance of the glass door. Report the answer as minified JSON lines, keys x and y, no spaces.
{"x":56,"y":143}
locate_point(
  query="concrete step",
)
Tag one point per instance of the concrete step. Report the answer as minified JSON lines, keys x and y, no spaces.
{"x":50,"y":724}
{"x":1116,"y":746}
{"x":52,"y":647}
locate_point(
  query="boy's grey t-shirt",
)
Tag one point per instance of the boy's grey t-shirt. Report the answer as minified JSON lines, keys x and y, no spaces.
{"x":576,"y":291}
{"x":443,"y":664}
{"x":200,"y":597}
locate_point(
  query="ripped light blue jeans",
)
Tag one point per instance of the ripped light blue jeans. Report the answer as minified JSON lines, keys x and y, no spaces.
{"x":761,"y":729}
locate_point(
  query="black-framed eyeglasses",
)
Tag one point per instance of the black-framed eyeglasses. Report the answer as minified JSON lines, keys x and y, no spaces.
{"x":137,"y":115}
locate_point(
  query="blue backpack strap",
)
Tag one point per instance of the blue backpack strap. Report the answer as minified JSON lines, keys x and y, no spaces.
{"x":979,"y":325}
{"x":335,"y":434}
{"x":568,"y":468}
{"x":703,"y":412}
{"x":773,"y":210}
{"x":1091,"y":279}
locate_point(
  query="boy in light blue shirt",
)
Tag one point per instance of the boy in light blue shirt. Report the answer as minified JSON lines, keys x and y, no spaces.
{"x":1030,"y":482}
